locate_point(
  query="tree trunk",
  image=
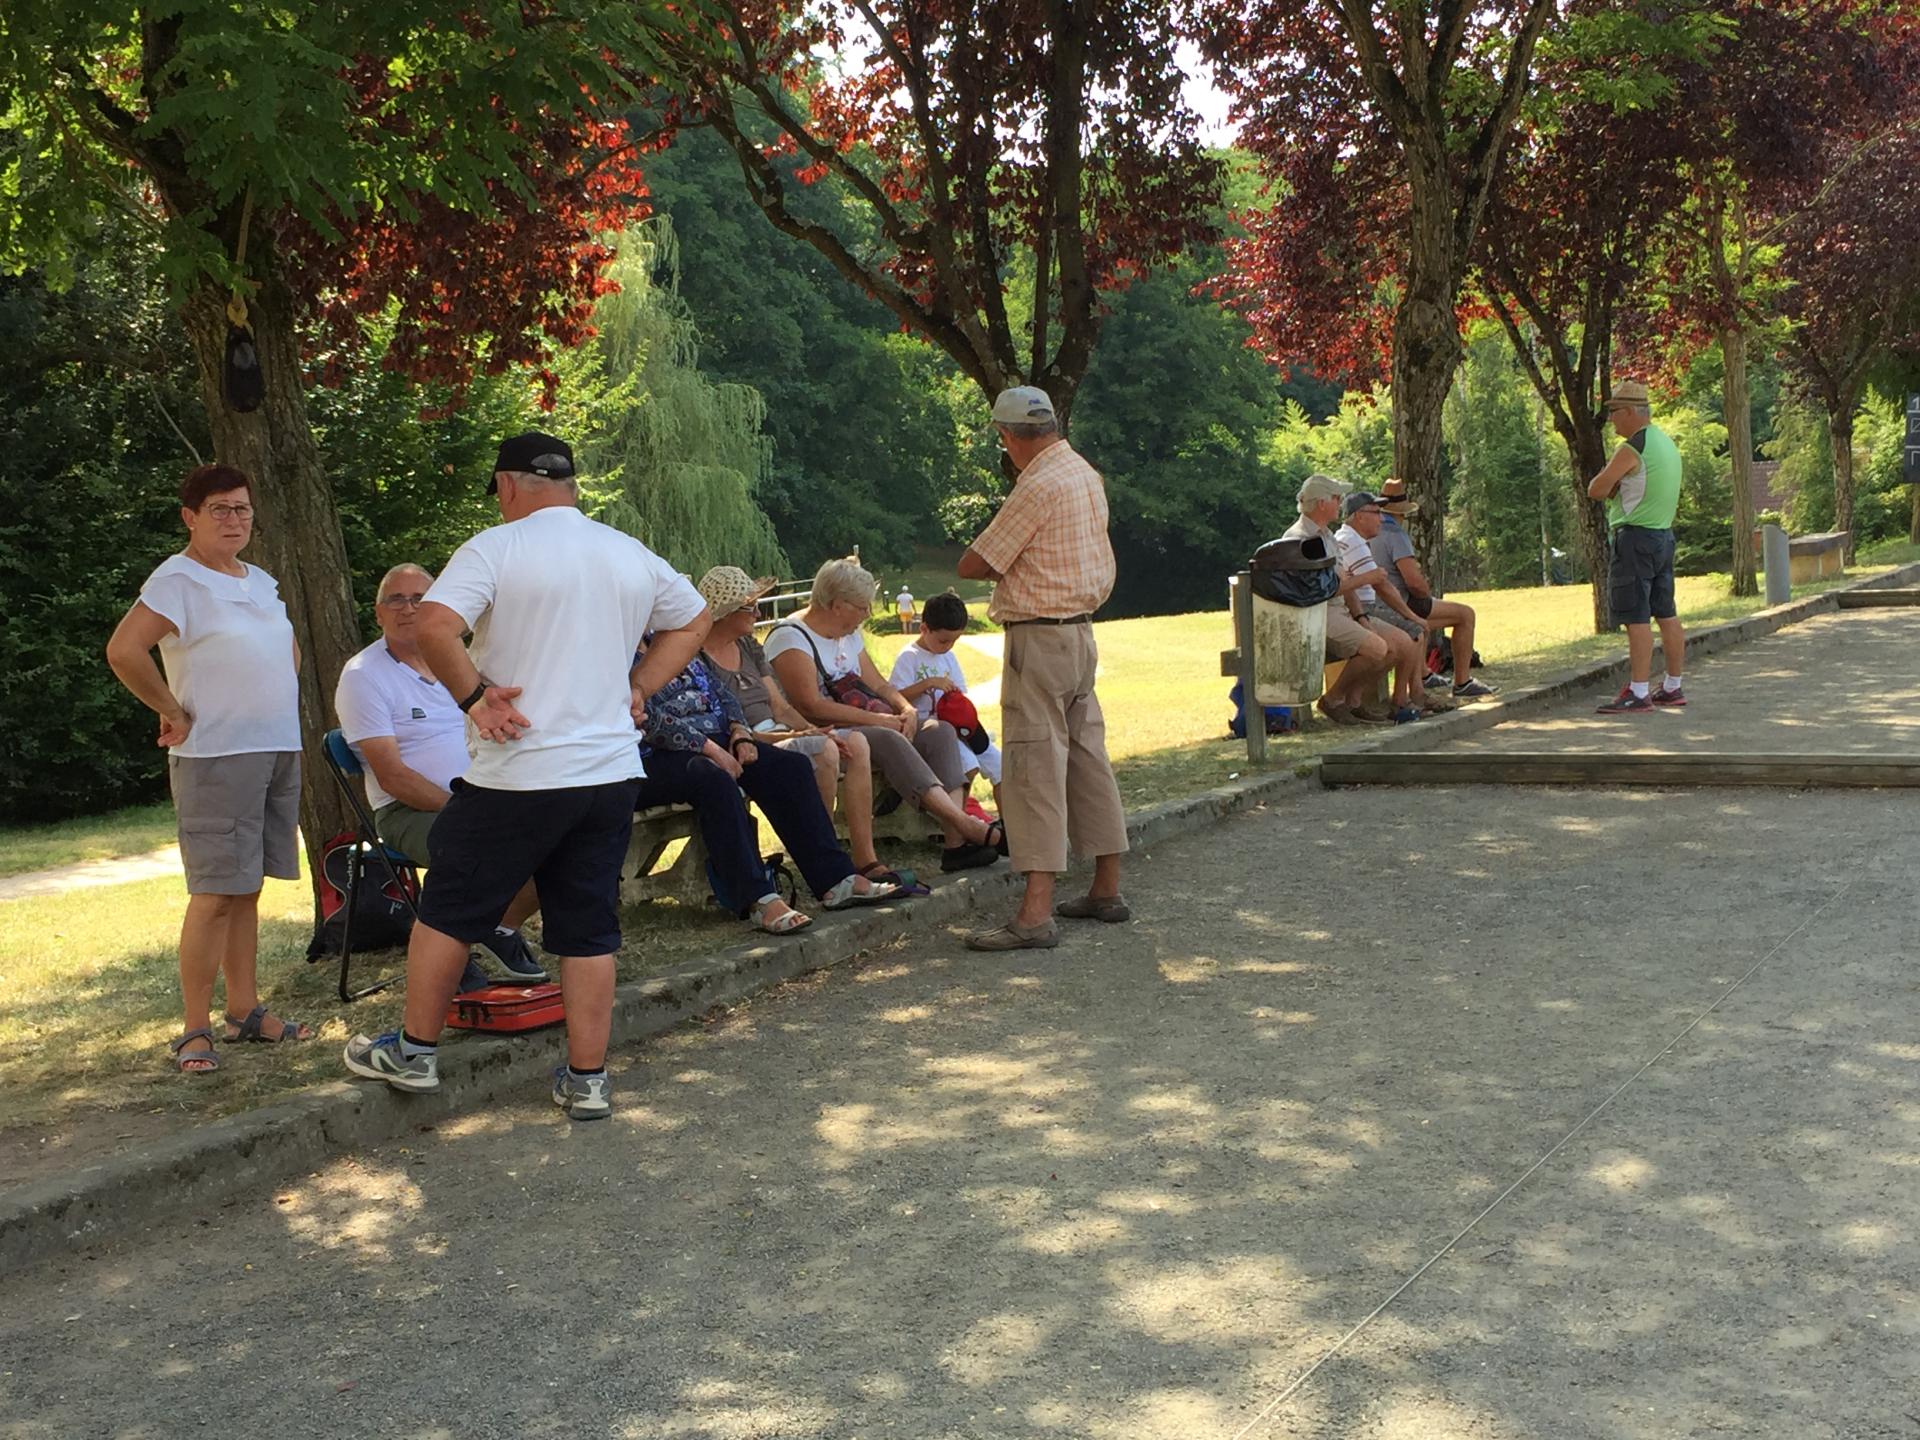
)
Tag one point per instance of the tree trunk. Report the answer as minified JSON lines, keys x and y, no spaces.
{"x":1840,"y":429}
{"x":1913,"y":521}
{"x":1739,"y":416}
{"x":1426,"y":352}
{"x":1587,"y":448}
{"x":297,"y":536}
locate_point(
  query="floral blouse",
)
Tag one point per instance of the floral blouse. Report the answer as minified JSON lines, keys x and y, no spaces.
{"x":691,"y":709}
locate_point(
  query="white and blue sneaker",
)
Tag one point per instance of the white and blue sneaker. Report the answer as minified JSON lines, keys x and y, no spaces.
{"x":509,"y":952}
{"x":380,"y":1059}
{"x":583,"y":1097}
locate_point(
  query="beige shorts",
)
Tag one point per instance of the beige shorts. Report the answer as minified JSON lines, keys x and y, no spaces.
{"x":808,"y":745}
{"x":239,"y":816}
{"x":1345,"y":635}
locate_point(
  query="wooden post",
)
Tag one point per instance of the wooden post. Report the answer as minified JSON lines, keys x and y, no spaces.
{"x":1240,"y":592}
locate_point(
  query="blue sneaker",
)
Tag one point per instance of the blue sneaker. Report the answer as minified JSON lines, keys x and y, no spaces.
{"x":380,"y":1059}
{"x":511,"y":953}
{"x":583,"y":1097}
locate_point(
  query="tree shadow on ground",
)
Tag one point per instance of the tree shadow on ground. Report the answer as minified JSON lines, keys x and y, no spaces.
{"x":1137,"y":1185}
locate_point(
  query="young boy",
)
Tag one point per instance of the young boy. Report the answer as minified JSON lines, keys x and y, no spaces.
{"x":928,"y":668}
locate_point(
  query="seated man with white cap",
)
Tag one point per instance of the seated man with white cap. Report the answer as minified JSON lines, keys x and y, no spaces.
{"x":1348,"y":639}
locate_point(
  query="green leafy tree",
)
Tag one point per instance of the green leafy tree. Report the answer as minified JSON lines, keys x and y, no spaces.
{"x":319,"y":160}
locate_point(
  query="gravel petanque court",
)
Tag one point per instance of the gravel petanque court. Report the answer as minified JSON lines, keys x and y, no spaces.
{"x":1138,"y":1185}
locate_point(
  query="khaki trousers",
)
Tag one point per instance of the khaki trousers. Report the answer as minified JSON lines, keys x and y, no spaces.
{"x":1059,"y":790}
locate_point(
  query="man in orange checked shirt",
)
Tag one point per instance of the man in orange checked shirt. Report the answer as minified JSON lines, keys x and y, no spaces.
{"x":1049,"y":553}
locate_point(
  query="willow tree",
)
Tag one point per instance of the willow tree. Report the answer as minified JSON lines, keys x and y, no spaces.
{"x":677,"y":459}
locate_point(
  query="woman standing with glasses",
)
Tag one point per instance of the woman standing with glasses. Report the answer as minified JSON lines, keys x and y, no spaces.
{"x":229,"y":719}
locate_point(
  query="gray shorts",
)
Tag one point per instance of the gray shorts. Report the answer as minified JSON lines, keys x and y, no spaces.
{"x":406,"y":829}
{"x":1381,"y":613}
{"x":239,"y":816}
{"x":808,"y":745}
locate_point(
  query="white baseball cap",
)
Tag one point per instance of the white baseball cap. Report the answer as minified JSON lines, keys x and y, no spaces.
{"x":1022,"y":405}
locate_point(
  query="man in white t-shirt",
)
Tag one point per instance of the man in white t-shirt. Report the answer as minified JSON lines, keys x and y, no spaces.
{"x":558,"y":605}
{"x":1381,"y":608}
{"x":412,"y":743}
{"x":928,"y":669}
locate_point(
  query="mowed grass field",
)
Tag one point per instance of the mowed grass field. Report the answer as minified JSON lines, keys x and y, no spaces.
{"x":89,"y":980}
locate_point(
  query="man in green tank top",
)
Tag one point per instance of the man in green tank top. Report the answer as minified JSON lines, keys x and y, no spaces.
{"x":1641,"y":487}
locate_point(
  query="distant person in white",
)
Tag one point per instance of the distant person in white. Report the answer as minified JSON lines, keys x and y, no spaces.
{"x":558,"y":605}
{"x":903,"y":607}
{"x":229,"y":708}
{"x":412,"y":742}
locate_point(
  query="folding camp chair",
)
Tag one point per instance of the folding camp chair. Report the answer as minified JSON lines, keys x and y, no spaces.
{"x":368,"y":847}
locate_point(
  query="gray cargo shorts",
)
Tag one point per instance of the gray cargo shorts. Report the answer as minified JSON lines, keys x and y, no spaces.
{"x":239,"y":816}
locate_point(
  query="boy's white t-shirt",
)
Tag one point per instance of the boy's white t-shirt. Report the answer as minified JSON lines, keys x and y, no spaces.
{"x":558,"y":605}
{"x":230,"y":662}
{"x":380,"y":696}
{"x":915,"y":663}
{"x":837,"y":657}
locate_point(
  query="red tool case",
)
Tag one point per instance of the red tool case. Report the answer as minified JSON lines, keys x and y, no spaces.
{"x":507,"y":1009}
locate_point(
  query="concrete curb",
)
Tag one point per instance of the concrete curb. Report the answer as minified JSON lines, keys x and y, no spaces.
{"x":1607,"y":675}
{"x":207,"y":1166}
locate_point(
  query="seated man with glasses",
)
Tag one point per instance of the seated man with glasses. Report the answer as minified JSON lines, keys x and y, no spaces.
{"x":412,"y":740}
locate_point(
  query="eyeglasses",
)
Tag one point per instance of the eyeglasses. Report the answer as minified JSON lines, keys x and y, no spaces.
{"x":230,"y":512}
{"x":399,"y":602}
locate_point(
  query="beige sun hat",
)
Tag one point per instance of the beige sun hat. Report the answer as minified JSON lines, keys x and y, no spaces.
{"x":1394,"y":499}
{"x":727,"y":588}
{"x":1628,"y":392}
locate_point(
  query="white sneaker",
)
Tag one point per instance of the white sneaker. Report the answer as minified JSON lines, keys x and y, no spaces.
{"x":583,"y":1097}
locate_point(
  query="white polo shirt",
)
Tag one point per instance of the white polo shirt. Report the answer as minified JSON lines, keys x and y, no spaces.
{"x":230,"y":661}
{"x":380,"y":697}
{"x":558,"y":604}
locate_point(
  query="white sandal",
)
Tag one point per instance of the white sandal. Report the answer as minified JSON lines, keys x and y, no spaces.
{"x":844,"y":896}
{"x":785,"y":924}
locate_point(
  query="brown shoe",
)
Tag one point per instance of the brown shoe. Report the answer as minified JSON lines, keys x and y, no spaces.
{"x":1015,"y":936}
{"x":1335,"y":714}
{"x":1109,"y":908}
{"x":1373,"y":714}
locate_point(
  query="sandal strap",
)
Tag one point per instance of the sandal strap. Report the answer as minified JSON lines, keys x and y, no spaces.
{"x":205,"y":1033}
{"x":249,"y":1028}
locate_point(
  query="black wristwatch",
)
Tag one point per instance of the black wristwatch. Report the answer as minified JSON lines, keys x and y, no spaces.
{"x":473,"y":699}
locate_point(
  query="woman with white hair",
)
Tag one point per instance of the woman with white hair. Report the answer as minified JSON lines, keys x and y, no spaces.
{"x":822,"y":664}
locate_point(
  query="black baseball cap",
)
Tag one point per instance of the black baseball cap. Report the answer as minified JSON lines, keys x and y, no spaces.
{"x":1361,"y":500}
{"x":533,"y":453}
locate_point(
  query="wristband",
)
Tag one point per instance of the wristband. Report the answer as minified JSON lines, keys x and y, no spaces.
{"x":473,"y":699}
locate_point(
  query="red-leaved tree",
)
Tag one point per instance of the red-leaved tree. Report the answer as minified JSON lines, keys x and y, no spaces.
{"x":1382,"y":125}
{"x":311,"y":163}
{"x":985,"y":149}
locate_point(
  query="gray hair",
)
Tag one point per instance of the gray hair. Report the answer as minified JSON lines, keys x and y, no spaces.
{"x":405,"y":567}
{"x":527,"y":477}
{"x":1030,"y":429}
{"x":843,"y":580}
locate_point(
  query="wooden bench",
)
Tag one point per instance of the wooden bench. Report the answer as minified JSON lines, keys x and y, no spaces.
{"x":684,"y":878}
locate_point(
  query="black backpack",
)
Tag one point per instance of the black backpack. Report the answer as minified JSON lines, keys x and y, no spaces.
{"x":382,"y":918}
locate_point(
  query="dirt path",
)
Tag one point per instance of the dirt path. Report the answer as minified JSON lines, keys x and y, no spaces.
{"x":86,"y":874}
{"x":1136,"y":1186}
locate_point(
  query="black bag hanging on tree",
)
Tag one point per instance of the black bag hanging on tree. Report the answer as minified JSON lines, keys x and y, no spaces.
{"x":241,"y":382}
